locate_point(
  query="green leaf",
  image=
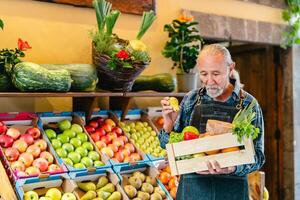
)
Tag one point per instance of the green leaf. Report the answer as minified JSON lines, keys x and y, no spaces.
{"x":102,"y":9}
{"x":286,"y":15}
{"x":111,"y":21}
{"x":147,"y":20}
{"x":1,"y":24}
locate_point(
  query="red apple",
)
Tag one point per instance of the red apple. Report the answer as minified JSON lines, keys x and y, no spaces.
{"x":34,"y":131}
{"x":41,"y":163}
{"x":110,"y":122}
{"x":32,"y":171}
{"x":54,"y":168}
{"x":108,"y":151}
{"x":6,"y":141}
{"x":113,"y":147}
{"x":26,"y":158}
{"x":18,"y":166}
{"x":124,"y":138}
{"x":125,"y":152}
{"x":106,"y":139}
{"x":47,"y":156}
{"x":93,"y":124}
{"x":100,"y":131}
{"x":3,"y":128}
{"x":13,"y":132}
{"x":27,"y":138}
{"x":107,"y":128}
{"x":90,"y":129}
{"x":95,"y":136}
{"x":126,"y":159}
{"x":100,"y":144}
{"x":135,"y":157}
{"x":115,"y":159}
{"x":119,"y":156}
{"x":21,"y":173}
{"x":42,"y":144}
{"x":117,"y":130}
{"x":11,"y":154}
{"x":100,"y":120}
{"x":34,"y":150}
{"x":130,"y":147}
{"x":112,"y":135}
{"x":118,"y":142}
{"x":21,"y":145}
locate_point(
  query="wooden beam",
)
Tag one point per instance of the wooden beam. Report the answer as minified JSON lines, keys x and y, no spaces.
{"x":6,"y":190}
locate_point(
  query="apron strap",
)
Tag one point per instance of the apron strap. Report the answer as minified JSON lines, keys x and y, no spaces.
{"x":242,"y":96}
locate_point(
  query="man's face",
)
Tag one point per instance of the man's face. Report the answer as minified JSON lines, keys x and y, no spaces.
{"x":214,"y":74}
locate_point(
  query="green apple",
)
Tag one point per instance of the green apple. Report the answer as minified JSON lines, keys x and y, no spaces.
{"x":94,"y":155}
{"x":134,"y":137}
{"x":98,"y":163}
{"x":70,"y":133}
{"x":79,"y":166}
{"x":76,"y":128}
{"x":63,"y":138}
{"x":191,"y":129}
{"x":153,"y":133}
{"x":68,"y":196}
{"x":75,"y":142}
{"x":75,"y":157}
{"x":68,"y":147}
{"x":31,"y":195}
{"x":44,"y":198}
{"x":64,"y":125}
{"x":87,"y":161}
{"x":88,"y":146}
{"x":82,"y":151}
{"x":68,"y":161}
{"x":56,"y":143}
{"x":54,"y":194}
{"x":50,"y":133}
{"x":82,"y":137}
{"x":61,"y":153}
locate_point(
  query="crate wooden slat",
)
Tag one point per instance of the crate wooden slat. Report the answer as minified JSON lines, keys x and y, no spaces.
{"x":245,"y":156}
{"x":6,"y":190}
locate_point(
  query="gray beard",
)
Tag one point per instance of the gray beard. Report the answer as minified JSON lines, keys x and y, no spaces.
{"x":214,"y":91}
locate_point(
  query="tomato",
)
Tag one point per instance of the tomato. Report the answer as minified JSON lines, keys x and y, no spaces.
{"x":165,"y":177}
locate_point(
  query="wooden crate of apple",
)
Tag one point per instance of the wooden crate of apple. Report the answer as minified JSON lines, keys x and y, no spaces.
{"x":111,"y":141}
{"x":26,"y":151}
{"x":144,"y":136}
{"x":100,"y":189}
{"x":142,"y":185}
{"x":73,"y":145}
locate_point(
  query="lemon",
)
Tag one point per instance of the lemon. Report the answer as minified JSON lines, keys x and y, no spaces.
{"x":174,"y":103}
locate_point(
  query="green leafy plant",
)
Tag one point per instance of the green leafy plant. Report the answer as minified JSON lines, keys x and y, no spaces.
{"x":292,"y":16}
{"x":122,"y":52}
{"x":242,"y":123}
{"x":184,"y":44}
{"x":1,"y":24}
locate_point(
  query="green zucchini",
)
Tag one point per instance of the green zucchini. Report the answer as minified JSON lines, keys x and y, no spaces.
{"x":29,"y":76}
{"x":84,"y":76}
{"x":160,"y":83}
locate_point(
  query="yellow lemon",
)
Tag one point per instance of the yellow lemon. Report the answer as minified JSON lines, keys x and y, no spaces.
{"x":174,"y":103}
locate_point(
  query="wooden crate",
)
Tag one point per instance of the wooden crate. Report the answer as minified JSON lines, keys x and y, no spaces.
{"x":215,"y":142}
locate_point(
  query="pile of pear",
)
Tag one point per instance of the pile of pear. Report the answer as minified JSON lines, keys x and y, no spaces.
{"x":142,"y":187}
{"x":102,"y":190}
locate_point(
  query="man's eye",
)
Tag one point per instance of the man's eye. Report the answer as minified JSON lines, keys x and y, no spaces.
{"x":203,"y":74}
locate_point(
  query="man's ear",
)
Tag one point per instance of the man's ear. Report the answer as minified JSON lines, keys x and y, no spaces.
{"x":231,"y":68}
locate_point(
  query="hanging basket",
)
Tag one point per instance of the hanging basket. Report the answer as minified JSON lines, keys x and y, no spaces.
{"x":120,"y":79}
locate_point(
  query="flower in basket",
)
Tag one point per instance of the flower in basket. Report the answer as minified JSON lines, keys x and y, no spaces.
{"x":118,"y":61}
{"x":184,"y":43}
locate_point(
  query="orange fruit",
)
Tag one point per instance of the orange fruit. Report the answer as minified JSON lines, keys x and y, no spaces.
{"x":230,"y":149}
{"x":173,"y":182}
{"x":164,"y":177}
{"x":212,"y":152}
{"x":168,"y":169}
{"x":167,"y":187}
{"x":173,"y":192}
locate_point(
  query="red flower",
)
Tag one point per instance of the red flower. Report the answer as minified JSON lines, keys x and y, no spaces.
{"x":23,"y":45}
{"x":122,"y":54}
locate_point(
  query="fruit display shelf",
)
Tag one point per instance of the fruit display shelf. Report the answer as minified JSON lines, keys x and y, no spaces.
{"x":72,"y":143}
{"x":26,"y":155}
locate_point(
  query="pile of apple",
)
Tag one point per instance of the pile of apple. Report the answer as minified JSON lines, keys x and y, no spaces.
{"x":144,"y":137}
{"x":110,"y":140}
{"x":103,"y":189}
{"x":51,"y":194}
{"x":73,"y":146}
{"x":141,"y":186}
{"x":26,"y":152}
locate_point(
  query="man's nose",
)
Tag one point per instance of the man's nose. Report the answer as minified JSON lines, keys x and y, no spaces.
{"x":210,"y":80}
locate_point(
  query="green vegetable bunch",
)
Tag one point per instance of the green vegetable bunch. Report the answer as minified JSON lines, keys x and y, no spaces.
{"x":175,"y":137}
{"x":242,"y":123}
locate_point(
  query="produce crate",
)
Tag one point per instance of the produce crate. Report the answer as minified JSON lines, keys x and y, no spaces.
{"x":155,"y":115}
{"x":120,"y":166}
{"x":148,"y":170}
{"x":113,"y":178}
{"x":215,"y":142}
{"x":23,"y":121}
{"x":50,"y":120}
{"x":139,"y":115}
{"x":64,"y":185}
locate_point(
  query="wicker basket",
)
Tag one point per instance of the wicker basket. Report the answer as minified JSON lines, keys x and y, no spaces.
{"x":120,"y":79}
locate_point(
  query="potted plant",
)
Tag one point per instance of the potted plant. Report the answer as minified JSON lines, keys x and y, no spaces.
{"x":183,"y":48}
{"x":118,"y":61}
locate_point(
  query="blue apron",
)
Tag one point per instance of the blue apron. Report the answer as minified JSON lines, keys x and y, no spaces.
{"x":212,"y":187}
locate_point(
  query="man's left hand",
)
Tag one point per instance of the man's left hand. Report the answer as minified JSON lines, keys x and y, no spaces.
{"x":217,"y":170}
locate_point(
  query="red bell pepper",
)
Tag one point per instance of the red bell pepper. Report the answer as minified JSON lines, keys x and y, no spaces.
{"x":190,"y":136}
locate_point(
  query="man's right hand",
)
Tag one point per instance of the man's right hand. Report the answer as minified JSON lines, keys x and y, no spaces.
{"x":168,"y":114}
